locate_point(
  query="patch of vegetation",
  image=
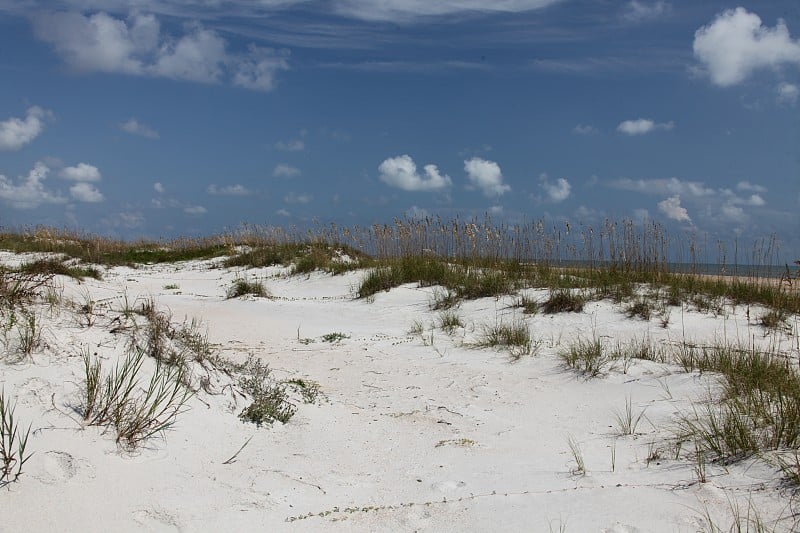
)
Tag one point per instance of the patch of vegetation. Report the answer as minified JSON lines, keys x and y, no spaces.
{"x":242,"y":287}
{"x":117,"y":399}
{"x":335,"y":336}
{"x":514,"y":337}
{"x":563,"y":301}
{"x":13,"y":442}
{"x":641,"y":308}
{"x":774,"y":319}
{"x":53,"y":267}
{"x":309,"y":390}
{"x":269,"y":399}
{"x":585,"y":356}
{"x":449,"y":321}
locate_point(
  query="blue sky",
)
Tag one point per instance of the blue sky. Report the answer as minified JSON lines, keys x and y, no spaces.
{"x":158,"y":118}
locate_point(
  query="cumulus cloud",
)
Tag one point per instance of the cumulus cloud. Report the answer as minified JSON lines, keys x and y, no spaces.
{"x":642,"y":126}
{"x":297,"y":145}
{"x":408,"y":10}
{"x":788,"y":93}
{"x":486,"y":176}
{"x":136,"y":46}
{"x":584,"y":129}
{"x":285,"y":171}
{"x":673,"y":209}
{"x":556,"y":192}
{"x":81,"y":172}
{"x":228,"y":190}
{"x":636,"y":11}
{"x":85,"y":192}
{"x":401,"y":172}
{"x":29,"y":191}
{"x":159,"y":188}
{"x":283,"y":213}
{"x":17,"y":132}
{"x":747,"y":186}
{"x":195,"y":210}
{"x":664,"y":186}
{"x":736,"y":43}
{"x":134,"y":127}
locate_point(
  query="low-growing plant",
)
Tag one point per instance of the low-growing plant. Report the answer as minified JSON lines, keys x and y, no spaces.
{"x":443,"y":299}
{"x":563,"y":300}
{"x":269,"y":399}
{"x":515,"y":337}
{"x":335,"y":336}
{"x":13,"y":442}
{"x":585,"y":356}
{"x":627,"y":420}
{"x":309,"y":390}
{"x":449,"y":321}
{"x":171,"y":287}
{"x":577,"y":456}
{"x":529,"y":305}
{"x":242,"y":287}
{"x":774,"y":319}
{"x":641,"y":308}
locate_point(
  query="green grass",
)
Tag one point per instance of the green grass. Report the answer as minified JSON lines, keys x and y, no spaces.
{"x":514,"y":337}
{"x":450,"y":321}
{"x":586,"y":356}
{"x":13,"y":442}
{"x":269,"y":401}
{"x":563,"y":301}
{"x":242,"y":287}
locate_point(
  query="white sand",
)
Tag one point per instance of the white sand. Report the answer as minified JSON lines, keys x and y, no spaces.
{"x":409,"y":436}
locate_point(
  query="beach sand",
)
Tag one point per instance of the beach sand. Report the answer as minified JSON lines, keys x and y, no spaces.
{"x":411,"y":432}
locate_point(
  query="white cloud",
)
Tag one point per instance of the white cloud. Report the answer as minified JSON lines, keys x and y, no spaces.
{"x":284,"y":170}
{"x":417,"y":212}
{"x":401,"y":172}
{"x":228,"y":190}
{"x":85,"y":192}
{"x":297,"y":145}
{"x":736,"y":44}
{"x":641,"y":214}
{"x":664,"y":186}
{"x":556,"y":192}
{"x":642,"y":126}
{"x":136,"y":46}
{"x":30,"y":191}
{"x":81,"y":172}
{"x":408,"y":10}
{"x":17,"y":132}
{"x":134,"y":127}
{"x":732,"y":213}
{"x":636,"y":11}
{"x":672,"y":208}
{"x":584,"y":129}
{"x":283,"y":213}
{"x":496,"y":210}
{"x":486,"y":176}
{"x":159,"y":188}
{"x":195,"y":210}
{"x":747,"y":186}
{"x":788,"y":93}
{"x":257,"y":71}
{"x":293,"y":198}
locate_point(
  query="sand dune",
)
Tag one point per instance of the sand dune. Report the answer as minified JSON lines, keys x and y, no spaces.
{"x":411,"y":432}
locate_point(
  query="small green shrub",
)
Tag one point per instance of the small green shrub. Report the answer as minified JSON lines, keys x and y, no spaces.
{"x":269,"y":399}
{"x":241,"y":287}
{"x":641,"y":308}
{"x":563,"y":301}
{"x":335,"y":336}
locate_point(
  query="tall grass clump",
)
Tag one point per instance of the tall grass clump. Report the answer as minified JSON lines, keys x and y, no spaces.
{"x":514,"y":337}
{"x":118,"y":399}
{"x":13,"y":442}
{"x":759,"y":409}
{"x":563,"y":301}
{"x":586,"y":356}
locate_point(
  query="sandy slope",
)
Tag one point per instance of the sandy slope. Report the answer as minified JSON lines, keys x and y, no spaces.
{"x":410,"y":436}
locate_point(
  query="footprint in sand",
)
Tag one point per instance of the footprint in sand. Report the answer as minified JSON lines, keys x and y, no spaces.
{"x":448,"y":486}
{"x":57,"y":467}
{"x":37,"y":392}
{"x":153,"y":519}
